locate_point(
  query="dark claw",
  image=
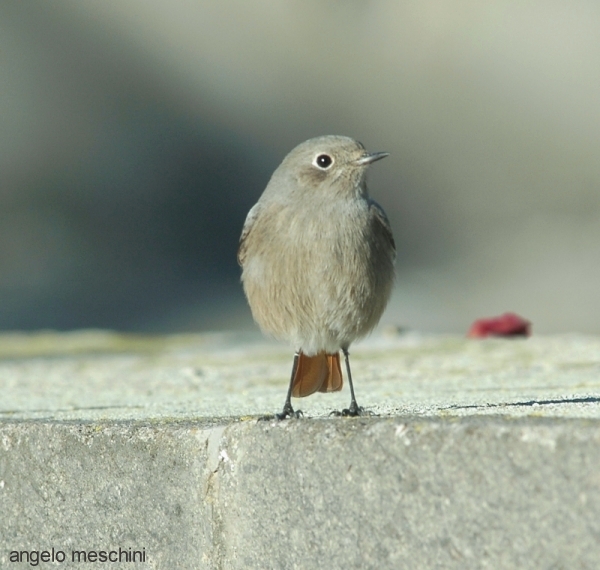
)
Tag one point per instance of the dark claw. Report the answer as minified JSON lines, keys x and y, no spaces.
{"x":288,"y":412}
{"x":284,"y":415}
{"x":352,"y":412}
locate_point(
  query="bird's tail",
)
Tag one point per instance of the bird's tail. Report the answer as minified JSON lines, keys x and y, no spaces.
{"x":318,"y":373}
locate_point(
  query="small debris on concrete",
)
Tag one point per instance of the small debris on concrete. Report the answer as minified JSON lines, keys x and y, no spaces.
{"x":508,"y":324}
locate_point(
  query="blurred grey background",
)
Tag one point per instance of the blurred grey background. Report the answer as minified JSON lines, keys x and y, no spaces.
{"x":135,"y":135}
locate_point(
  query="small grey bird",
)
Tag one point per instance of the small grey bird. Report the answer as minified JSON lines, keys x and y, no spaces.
{"x":317,"y":256}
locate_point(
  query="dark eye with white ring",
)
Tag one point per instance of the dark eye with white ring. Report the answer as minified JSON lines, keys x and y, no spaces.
{"x":323,"y":161}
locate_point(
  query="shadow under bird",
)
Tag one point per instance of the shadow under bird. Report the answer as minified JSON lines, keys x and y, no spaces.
{"x":317,"y":256}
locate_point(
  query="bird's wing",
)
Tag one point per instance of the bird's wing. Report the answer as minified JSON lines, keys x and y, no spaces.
{"x":248,"y":224}
{"x":380,"y":218}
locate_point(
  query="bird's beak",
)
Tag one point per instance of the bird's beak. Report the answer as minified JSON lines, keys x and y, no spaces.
{"x":369,"y":158}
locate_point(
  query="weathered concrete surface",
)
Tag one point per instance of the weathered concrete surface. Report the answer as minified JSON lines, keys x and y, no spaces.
{"x":97,"y":375}
{"x":70,"y":486}
{"x":485,"y":454}
{"x":475,"y":493}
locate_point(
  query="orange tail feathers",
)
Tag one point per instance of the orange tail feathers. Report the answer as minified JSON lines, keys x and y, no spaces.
{"x":318,"y":373}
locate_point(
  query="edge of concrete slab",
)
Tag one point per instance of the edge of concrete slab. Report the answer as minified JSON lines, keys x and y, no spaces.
{"x":410,"y":492}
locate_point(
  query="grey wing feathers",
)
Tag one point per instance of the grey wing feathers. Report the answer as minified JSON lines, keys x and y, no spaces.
{"x":380,"y":216}
{"x":250,"y":219}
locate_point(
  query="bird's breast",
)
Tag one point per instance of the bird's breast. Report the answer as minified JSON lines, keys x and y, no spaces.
{"x":316,"y":279}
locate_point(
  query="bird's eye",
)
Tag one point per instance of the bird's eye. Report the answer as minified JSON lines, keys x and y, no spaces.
{"x":323,"y":161}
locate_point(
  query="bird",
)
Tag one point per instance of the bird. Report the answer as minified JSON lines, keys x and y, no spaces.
{"x":317,"y":255}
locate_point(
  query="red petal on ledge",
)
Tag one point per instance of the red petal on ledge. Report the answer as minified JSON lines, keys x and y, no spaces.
{"x":508,"y":324}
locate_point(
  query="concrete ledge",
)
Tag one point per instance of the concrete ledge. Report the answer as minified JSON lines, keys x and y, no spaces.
{"x":369,"y":493}
{"x":485,"y":455}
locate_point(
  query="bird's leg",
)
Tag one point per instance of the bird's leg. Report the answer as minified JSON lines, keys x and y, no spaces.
{"x":288,"y":411}
{"x":354,"y":409}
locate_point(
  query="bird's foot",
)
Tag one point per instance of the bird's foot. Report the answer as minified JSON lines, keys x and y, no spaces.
{"x":352,"y":412}
{"x":287,"y":412}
